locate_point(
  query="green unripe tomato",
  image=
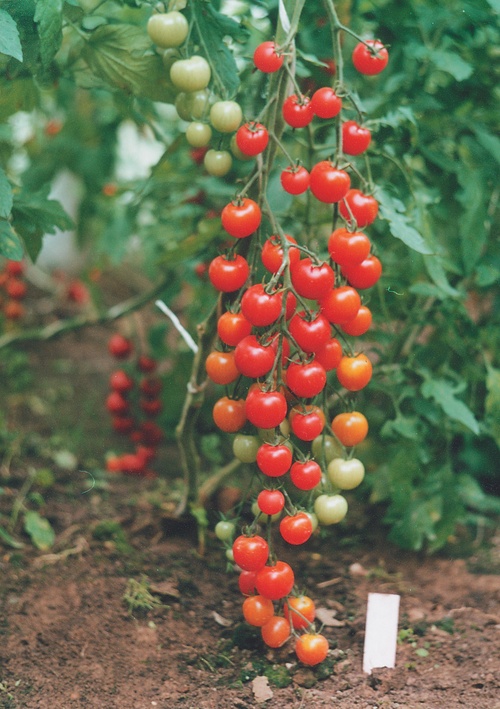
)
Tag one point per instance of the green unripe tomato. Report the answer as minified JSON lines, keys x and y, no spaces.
{"x":245,"y":447}
{"x":218,"y":162}
{"x":226,"y":116}
{"x":198,"y":134}
{"x":191,"y":74}
{"x":224,"y":530}
{"x":329,"y":445}
{"x":346,"y":474}
{"x":168,"y":29}
{"x":229,"y":555}
{"x":330,"y":509}
{"x":314,"y":520}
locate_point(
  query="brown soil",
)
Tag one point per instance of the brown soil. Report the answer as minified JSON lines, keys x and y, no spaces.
{"x":68,"y":639}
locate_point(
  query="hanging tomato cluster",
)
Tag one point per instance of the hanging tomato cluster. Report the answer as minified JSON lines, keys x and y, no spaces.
{"x":12,"y":290}
{"x":133,"y":404}
{"x":285,"y":355}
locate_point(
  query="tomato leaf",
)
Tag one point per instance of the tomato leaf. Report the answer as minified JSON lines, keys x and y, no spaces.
{"x":443,"y":393}
{"x":5,"y":195}
{"x":391,"y":209}
{"x":10,"y":245}
{"x":472,"y":495}
{"x":39,"y":528}
{"x":10,"y":43}
{"x":474,"y":198}
{"x":49,"y":18}
{"x":492,"y":402}
{"x":436,"y":271}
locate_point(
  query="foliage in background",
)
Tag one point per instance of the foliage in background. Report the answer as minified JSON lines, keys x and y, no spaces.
{"x":83,"y":76}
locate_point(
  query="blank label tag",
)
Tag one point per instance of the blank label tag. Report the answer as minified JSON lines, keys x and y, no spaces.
{"x":381,"y":631}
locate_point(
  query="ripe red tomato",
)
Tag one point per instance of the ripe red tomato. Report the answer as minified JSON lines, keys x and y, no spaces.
{"x":253,"y":359}
{"x":326,"y":103}
{"x":350,"y":428}
{"x":228,"y":274}
{"x":146,"y":364}
{"x":274,"y":461}
{"x":330,"y":355}
{"x":120,"y":381}
{"x":300,"y":611}
{"x":297,"y":111}
{"x":229,"y":414}
{"x":311,"y":648}
{"x":123,"y":424}
{"x":328,"y":183}
{"x":221,"y":367}
{"x":312,"y":280}
{"x":261,"y":308}
{"x":150,"y":433}
{"x":119,"y":346}
{"x":14,"y":268}
{"x":354,"y":373}
{"x":270,"y":502}
{"x":246,"y":582}
{"x":360,"y":324}
{"x":241,"y":217}
{"x":151,"y":407}
{"x":151,"y":386}
{"x":295,"y":179}
{"x":257,"y":610}
{"x":363,"y":207}
{"x":272,"y":253}
{"x":16,"y":288}
{"x":341,"y":305}
{"x":311,"y":332}
{"x":276,"y":581}
{"x":370,"y":60}
{"x":276,"y":631}
{"x":296,"y":529}
{"x":307,"y":421}
{"x":252,"y":138}
{"x":348,"y":248}
{"x":116,"y":403}
{"x":305,"y":475}
{"x":265,"y":409}
{"x":250,"y":553}
{"x":233,"y":327}
{"x":365,"y":274}
{"x":306,"y":380}
{"x":13,"y":310}
{"x":355,"y":138}
{"x":267,"y":59}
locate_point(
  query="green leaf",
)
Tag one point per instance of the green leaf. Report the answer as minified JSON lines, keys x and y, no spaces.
{"x":121,"y":56}
{"x":10,"y":245}
{"x":41,"y":533}
{"x":473,"y":198}
{"x":492,"y":402}
{"x":451,"y":63}
{"x":436,"y":271}
{"x":19,"y":95}
{"x":494,"y":4}
{"x":391,"y":210}
{"x":10,"y":44}
{"x":489,"y":142}
{"x":49,"y":18}
{"x":472,"y":495}
{"x":5,"y":195}
{"x":8,"y":539}
{"x":443,"y":393}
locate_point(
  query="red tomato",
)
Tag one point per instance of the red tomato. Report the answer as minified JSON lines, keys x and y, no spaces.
{"x":350,"y":428}
{"x":370,"y":60}
{"x":276,"y":581}
{"x":16,"y":288}
{"x":252,"y":138}
{"x":116,"y":403}
{"x":250,"y":553}
{"x":307,"y":421}
{"x":261,"y":308}
{"x":229,"y":414}
{"x":123,"y":424}
{"x":300,"y":611}
{"x":246,"y":582}
{"x":355,"y":138}
{"x":305,"y":475}
{"x":252,"y":359}
{"x":270,"y":502}
{"x":360,"y":324}
{"x":306,"y":380}
{"x":297,"y":111}
{"x":341,"y":305}
{"x":311,"y":648}
{"x":228,"y":274}
{"x":14,"y":268}
{"x":310,"y":332}
{"x":272,"y":253}
{"x":296,"y":529}
{"x":354,"y":373}
{"x":330,"y":355}
{"x":146,"y":364}
{"x":151,"y":386}
{"x":348,"y":248}
{"x":328,"y":183}
{"x":151,"y":407}
{"x":265,"y":409}
{"x":363,"y":207}
{"x":274,"y":461}
{"x":221,"y":367}
{"x":326,"y":103}
{"x":276,"y":631}
{"x":13,"y":310}
{"x":257,"y":610}
{"x":267,"y":59}
{"x":119,"y":346}
{"x":295,"y":179}
{"x":241,"y":218}
{"x":233,"y":327}
{"x":312,"y":280}
{"x":365,"y":274}
{"x":120,"y":381}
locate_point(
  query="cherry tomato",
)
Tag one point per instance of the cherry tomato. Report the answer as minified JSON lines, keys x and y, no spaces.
{"x":198,"y":134}
{"x":350,"y":428}
{"x":355,"y":138}
{"x":346,"y":474}
{"x":329,"y":355}
{"x":226,"y":116}
{"x":233,"y":327}
{"x":276,"y":581}
{"x":229,"y":414}
{"x":151,"y":387}
{"x":295,"y":179}
{"x":370,"y":60}
{"x":253,"y":359}
{"x":311,"y":280}
{"x":325,"y":448}
{"x":250,"y":553}
{"x":119,"y":346}
{"x":297,"y":111}
{"x":221,"y":367}
{"x":123,"y":424}
{"x":310,"y":332}
{"x":217,"y":162}
{"x":326,"y":103}
{"x":328,"y":183}
{"x":265,"y":409}
{"x":14,"y":268}
{"x":360,"y":324}
{"x":116,"y":403}
{"x":16,"y":288}
{"x":257,"y":610}
{"x":306,"y":380}
{"x":363,"y":207}
{"x":300,"y":611}
{"x":365,"y":274}
{"x":276,"y":631}
{"x":348,"y":248}
{"x":330,"y":509}
{"x":261,"y":308}
{"x":272,"y":253}
{"x":252,"y":138}
{"x":311,"y":648}
{"x":307,"y":421}
{"x":246,"y":582}
{"x":191,"y":74}
{"x":228,"y":274}
{"x":224,"y":530}
{"x":270,"y":502}
{"x":241,"y":218}
{"x":296,"y":529}
{"x":266,"y":58}
{"x":341,"y":305}
{"x":305,"y":475}
{"x":274,"y":461}
{"x":354,"y":373}
{"x":120,"y":381}
{"x":245,"y":448}
{"x":151,"y":407}
{"x":193,"y":105}
{"x":167,"y":29}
